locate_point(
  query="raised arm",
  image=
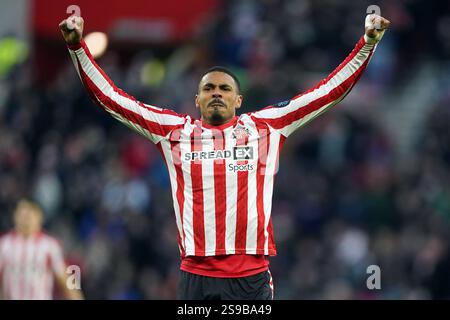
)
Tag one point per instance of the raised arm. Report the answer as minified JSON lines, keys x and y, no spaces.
{"x":293,"y":114}
{"x":150,"y":121}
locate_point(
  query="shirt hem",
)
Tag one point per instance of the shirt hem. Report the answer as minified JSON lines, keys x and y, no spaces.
{"x":218,"y":274}
{"x":271,"y":252}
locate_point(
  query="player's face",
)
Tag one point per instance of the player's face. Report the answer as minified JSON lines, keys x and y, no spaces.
{"x":27,"y":220}
{"x":218,"y":98}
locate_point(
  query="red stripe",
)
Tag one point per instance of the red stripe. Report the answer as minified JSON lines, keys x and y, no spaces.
{"x":197,"y":194}
{"x":333,"y":95}
{"x":97,"y":95}
{"x":242,"y":204}
{"x":263,"y":149}
{"x":271,"y":245}
{"x":220,"y":192}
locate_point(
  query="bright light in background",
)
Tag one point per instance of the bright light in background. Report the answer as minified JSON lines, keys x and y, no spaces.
{"x":13,"y":51}
{"x":153,"y":73}
{"x":97,"y":43}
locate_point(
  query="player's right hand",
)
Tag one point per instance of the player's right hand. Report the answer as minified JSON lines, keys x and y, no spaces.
{"x":375,"y":26}
{"x":72,"y":29}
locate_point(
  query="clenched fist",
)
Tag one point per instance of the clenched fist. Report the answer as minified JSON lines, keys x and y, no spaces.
{"x":375,"y":26}
{"x":72,"y":29}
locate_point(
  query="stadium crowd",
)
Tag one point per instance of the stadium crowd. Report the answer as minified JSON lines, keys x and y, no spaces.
{"x":343,"y":197}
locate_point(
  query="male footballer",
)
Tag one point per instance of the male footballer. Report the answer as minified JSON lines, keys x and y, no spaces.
{"x":31,"y":261}
{"x":221,"y":165}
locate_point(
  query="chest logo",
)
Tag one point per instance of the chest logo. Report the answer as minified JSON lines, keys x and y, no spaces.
{"x":240,"y":132}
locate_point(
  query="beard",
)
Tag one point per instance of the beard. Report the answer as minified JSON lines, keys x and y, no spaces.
{"x":217,"y":112}
{"x":216,"y":116}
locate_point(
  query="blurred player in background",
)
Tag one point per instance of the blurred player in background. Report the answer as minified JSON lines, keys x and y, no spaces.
{"x":222,"y":166}
{"x":30,"y":260}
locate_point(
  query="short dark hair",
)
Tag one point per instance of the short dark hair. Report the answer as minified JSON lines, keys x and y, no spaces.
{"x":227,"y":71}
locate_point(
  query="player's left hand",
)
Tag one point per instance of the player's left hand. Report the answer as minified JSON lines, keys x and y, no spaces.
{"x":376,"y":25}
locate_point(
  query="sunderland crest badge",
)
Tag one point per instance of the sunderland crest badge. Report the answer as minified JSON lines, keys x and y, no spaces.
{"x":240,"y":132}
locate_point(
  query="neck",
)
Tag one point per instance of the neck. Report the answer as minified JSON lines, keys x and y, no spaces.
{"x":216,"y":123}
{"x":27,"y":233}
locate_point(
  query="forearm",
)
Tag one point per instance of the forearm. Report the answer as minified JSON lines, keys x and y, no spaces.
{"x":339,"y":83}
{"x":101,"y":89}
{"x":73,"y":294}
{"x":151,"y":122}
{"x":68,"y":293}
{"x":97,"y":83}
{"x":306,"y":106}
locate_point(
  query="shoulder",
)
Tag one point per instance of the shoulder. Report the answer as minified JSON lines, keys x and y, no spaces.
{"x":7,"y":240}
{"x":50,"y":240}
{"x":6,"y":236}
{"x":252,"y":121}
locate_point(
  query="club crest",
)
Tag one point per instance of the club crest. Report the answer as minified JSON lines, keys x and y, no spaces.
{"x":240,"y":132}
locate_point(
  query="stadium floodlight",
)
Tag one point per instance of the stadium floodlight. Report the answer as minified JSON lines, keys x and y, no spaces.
{"x":97,"y":43}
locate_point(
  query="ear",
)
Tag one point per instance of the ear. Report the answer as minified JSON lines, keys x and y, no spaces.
{"x":239,"y":101}
{"x":197,"y":103}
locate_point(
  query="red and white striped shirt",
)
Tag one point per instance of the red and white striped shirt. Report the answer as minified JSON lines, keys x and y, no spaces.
{"x":222,"y":177}
{"x":28,"y":266}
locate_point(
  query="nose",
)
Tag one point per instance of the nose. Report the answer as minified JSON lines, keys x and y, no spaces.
{"x":217,"y":95}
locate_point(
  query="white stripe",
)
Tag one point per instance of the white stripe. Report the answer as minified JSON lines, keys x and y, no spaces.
{"x":188,"y":222}
{"x":166,"y":148}
{"x":350,"y":68}
{"x":209,"y":203}
{"x":231,"y":193}
{"x":271,"y":169}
